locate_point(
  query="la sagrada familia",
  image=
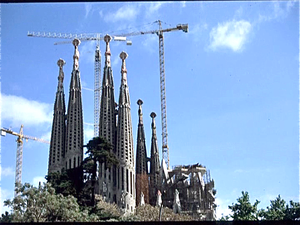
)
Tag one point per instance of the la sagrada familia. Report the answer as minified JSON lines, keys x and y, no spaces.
{"x":127,"y":184}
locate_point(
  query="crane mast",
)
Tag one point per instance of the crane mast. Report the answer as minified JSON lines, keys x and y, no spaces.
{"x":19,"y":153}
{"x":19,"y":157}
{"x":159,"y":32}
{"x":163,"y":101}
{"x":97,"y":88}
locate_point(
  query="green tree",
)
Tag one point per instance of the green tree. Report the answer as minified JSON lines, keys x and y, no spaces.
{"x":40,"y":204}
{"x":105,"y":210}
{"x":243,"y":209}
{"x":292,"y":211}
{"x":99,"y":151}
{"x":148,"y":213}
{"x":62,"y":183}
{"x":6,"y":217}
{"x":276,"y":211}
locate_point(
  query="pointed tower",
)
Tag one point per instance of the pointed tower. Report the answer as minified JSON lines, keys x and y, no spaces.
{"x":141,"y":170}
{"x":107,"y":127}
{"x":154,"y":164}
{"x":126,"y":173}
{"x":74,"y":134}
{"x":58,"y":125}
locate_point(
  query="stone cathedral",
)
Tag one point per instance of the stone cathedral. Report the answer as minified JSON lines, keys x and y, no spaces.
{"x":136,"y":180}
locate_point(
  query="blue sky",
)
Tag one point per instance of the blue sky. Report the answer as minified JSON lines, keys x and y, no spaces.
{"x":231,"y":84}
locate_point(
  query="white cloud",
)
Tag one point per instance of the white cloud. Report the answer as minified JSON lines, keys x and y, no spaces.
{"x":36,"y":180}
{"x":88,"y":8}
{"x":280,"y":9}
{"x":46,"y":136}
{"x":87,"y":51}
{"x":222,"y":208}
{"x":232,"y":34}
{"x":101,"y":13}
{"x":18,"y":110}
{"x":5,"y":172}
{"x":183,"y":4}
{"x":154,"y":7}
{"x":150,"y":42}
{"x":239,"y":12}
{"x":127,"y":12}
{"x":115,"y":62}
{"x":196,"y":31}
{"x":4,"y":195}
{"x":88,"y":132}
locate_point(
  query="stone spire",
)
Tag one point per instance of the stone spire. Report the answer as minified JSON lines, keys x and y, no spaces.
{"x":56,"y":153}
{"x":154,"y":163}
{"x":126,"y":173}
{"x":142,"y":184}
{"x":74,"y":134}
{"x":107,"y":126}
{"x":107,"y":39}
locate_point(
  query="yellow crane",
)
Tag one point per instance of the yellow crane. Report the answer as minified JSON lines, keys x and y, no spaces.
{"x":120,"y":37}
{"x":19,"y":155}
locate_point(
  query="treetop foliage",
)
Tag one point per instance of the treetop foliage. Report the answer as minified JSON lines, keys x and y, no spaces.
{"x":278,"y":210}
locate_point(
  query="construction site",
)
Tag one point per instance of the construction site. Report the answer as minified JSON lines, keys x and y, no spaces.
{"x":140,"y":178}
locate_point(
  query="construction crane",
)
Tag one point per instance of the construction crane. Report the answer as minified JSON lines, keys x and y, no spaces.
{"x":19,"y":155}
{"x":97,"y":63}
{"x":159,"y":32}
{"x":118,"y":37}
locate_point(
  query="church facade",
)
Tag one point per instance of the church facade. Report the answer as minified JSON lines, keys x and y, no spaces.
{"x":137,"y":179}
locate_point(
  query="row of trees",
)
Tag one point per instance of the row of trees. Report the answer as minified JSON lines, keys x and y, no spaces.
{"x":42,"y":204}
{"x":278,"y":210}
{"x":70,"y":196}
{"x":67,"y":196}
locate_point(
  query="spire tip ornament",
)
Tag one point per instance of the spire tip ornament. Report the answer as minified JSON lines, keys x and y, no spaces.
{"x":76,"y":42}
{"x":140,"y":102}
{"x":61,"y":63}
{"x":107,"y":39}
{"x":153,"y":115}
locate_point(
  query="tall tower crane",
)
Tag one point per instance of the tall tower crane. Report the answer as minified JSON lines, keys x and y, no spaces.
{"x":118,"y":37}
{"x":19,"y":155}
{"x":159,"y":32}
{"x":97,"y":63}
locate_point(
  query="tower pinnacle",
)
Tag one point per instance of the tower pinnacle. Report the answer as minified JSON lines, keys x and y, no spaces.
{"x":76,"y":43}
{"x":154,"y":164}
{"x":140,"y":103}
{"x":57,"y":143}
{"x":153,"y":115}
{"x":60,"y":64}
{"x":74,"y":134}
{"x":107,"y":39}
{"x":141,"y":169}
{"x":123,"y":56}
{"x":126,"y":186}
